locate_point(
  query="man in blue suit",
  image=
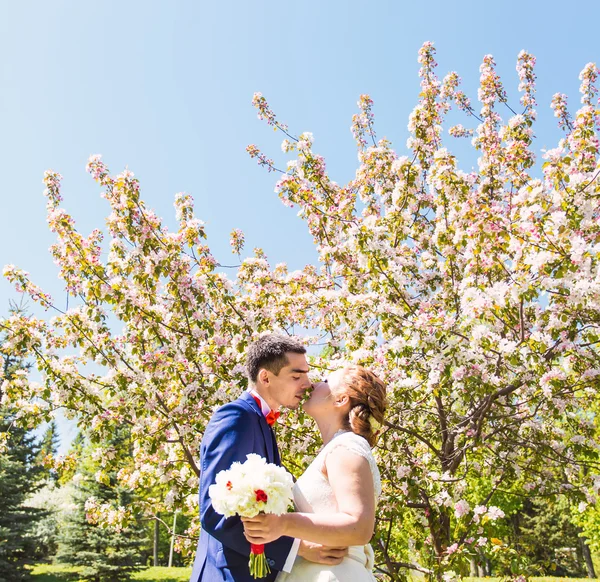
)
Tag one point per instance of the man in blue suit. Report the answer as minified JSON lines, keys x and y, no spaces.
{"x":278,"y":374}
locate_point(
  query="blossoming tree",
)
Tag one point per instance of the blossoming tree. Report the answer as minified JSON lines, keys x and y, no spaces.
{"x":475,"y":295}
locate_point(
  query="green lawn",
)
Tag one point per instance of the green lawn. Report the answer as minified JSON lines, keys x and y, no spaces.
{"x":536,"y":579}
{"x":52,"y":573}
{"x":164,"y":575}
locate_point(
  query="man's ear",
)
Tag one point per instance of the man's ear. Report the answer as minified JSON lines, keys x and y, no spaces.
{"x":263,"y":376}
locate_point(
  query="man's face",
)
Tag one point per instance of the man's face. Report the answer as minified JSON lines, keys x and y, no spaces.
{"x":291,"y":384}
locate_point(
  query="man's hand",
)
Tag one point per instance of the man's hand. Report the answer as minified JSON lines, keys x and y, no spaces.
{"x":321,"y":554}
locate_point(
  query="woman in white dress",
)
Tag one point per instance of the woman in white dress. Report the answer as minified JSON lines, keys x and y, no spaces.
{"x":336,"y":497}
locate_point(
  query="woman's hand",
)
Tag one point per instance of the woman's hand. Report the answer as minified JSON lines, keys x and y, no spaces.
{"x":264,"y":528}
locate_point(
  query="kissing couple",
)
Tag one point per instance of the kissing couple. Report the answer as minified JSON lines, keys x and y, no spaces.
{"x":327,"y":538}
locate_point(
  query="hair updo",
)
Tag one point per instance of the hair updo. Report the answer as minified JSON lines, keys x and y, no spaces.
{"x":367,"y":401}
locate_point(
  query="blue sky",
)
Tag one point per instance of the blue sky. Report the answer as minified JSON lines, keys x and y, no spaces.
{"x":165,"y":89}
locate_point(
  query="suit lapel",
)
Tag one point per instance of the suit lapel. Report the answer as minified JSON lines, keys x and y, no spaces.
{"x":275,"y":447}
{"x":271,"y":447}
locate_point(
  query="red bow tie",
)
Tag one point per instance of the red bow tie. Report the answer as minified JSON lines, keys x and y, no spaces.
{"x":272,"y":417}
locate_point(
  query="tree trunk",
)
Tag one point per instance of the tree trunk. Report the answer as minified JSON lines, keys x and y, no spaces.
{"x":156,"y":534}
{"x":487,"y":567}
{"x":587,"y":556}
{"x":480,"y":564}
{"x":473,"y":568}
{"x":172,"y":539}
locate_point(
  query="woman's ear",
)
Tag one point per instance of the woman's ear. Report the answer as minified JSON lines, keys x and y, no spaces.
{"x":342,"y":399}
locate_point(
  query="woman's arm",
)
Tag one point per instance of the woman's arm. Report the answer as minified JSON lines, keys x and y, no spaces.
{"x":351,"y":479}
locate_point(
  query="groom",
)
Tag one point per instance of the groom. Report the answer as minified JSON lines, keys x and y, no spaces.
{"x":278,"y":374}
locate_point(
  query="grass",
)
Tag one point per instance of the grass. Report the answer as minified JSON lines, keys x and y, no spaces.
{"x":164,"y":575}
{"x":534,"y":579}
{"x":62,"y":573}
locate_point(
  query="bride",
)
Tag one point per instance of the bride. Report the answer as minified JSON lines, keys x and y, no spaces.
{"x":336,"y":496}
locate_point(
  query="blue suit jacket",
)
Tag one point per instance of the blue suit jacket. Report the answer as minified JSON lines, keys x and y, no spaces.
{"x":236,"y":429}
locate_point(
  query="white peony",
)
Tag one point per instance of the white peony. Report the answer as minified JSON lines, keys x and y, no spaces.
{"x":253,"y":487}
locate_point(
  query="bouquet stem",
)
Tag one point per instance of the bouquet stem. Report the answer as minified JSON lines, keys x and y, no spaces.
{"x":258,"y":561}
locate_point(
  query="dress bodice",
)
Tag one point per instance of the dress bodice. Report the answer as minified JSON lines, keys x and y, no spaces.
{"x":314,"y":494}
{"x":312,"y":491}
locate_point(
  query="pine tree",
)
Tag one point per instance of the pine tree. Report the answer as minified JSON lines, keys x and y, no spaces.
{"x":102,"y":554}
{"x":49,"y":447}
{"x":546,"y":535}
{"x":48,"y":498}
{"x":20,"y":477}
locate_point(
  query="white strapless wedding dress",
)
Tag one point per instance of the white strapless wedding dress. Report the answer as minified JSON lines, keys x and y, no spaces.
{"x":313,"y":494}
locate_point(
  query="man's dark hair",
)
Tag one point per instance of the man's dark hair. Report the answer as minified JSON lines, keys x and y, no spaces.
{"x":268,"y":352}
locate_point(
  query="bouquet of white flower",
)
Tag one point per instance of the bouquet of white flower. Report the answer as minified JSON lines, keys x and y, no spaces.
{"x":247,"y":489}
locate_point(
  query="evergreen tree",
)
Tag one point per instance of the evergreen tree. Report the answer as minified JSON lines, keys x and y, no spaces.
{"x":102,"y":553}
{"x":49,"y":447}
{"x":47,"y":528}
{"x":545,"y":534}
{"x":20,"y":477}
